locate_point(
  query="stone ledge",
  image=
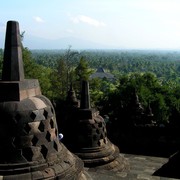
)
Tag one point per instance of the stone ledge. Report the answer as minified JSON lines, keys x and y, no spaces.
{"x":19,"y":90}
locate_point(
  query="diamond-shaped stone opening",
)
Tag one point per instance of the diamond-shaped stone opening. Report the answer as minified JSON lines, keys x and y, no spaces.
{"x":41,"y":126}
{"x":52,"y":123}
{"x":97,"y":131}
{"x":44,"y":151}
{"x":33,"y":116}
{"x":103,"y":129}
{"x":55,"y":146}
{"x":27,"y":128}
{"x":45,"y":114}
{"x":17,"y":117}
{"x":100,"y":124}
{"x":101,"y":136}
{"x":48,"y":136}
{"x":99,"y":143}
{"x":27,"y":153}
{"x":93,"y":125}
{"x":34,"y":141}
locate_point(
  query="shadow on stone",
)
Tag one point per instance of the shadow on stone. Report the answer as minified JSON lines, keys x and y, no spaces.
{"x":171,"y":168}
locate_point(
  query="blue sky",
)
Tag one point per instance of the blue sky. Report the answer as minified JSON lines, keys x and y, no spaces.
{"x":137,"y":24}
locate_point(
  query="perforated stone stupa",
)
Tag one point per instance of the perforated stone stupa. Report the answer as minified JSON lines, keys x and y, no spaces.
{"x":88,"y":133}
{"x":30,"y":148}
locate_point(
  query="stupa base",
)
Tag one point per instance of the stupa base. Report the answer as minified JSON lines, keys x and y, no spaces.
{"x":106,"y":158}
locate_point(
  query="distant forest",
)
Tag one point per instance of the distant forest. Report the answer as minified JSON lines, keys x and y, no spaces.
{"x":150,"y":77}
{"x":164,"y":64}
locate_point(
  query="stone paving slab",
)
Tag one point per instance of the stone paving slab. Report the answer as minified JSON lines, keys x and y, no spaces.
{"x":141,"y":168}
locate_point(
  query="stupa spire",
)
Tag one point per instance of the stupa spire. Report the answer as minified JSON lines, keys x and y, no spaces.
{"x":71,"y":98}
{"x":30,"y":147}
{"x":85,"y":98}
{"x":13,"y":69}
{"x":13,"y":86}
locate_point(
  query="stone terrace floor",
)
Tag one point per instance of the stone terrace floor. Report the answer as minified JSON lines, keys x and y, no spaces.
{"x":141,"y":167}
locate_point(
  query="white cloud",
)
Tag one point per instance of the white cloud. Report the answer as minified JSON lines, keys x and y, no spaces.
{"x":87,"y":20}
{"x":38,"y":19}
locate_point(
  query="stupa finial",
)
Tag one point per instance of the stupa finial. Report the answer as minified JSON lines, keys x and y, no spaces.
{"x":71,"y":98}
{"x":13,"y":86}
{"x":13,"y":69}
{"x":85,"y":98}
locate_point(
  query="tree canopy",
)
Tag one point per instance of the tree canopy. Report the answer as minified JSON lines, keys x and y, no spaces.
{"x":153,"y":75}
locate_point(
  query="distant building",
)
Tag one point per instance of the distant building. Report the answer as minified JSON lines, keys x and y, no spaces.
{"x":100,"y":73}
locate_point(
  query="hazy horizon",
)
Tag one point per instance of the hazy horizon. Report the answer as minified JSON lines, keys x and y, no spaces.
{"x":115,"y":24}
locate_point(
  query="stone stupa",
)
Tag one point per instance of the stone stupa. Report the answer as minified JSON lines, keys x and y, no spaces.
{"x":30,"y":148}
{"x":86,"y":135}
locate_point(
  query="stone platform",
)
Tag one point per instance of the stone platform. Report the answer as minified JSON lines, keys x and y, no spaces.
{"x":141,"y":167}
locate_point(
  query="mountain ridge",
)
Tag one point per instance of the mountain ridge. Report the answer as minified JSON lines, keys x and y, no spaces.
{"x":62,"y":43}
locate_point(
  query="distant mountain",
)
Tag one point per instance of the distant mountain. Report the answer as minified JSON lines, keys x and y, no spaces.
{"x":62,"y":43}
{"x":33,"y":42}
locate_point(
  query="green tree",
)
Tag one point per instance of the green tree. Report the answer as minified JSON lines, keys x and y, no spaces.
{"x":82,"y":70}
{"x":100,"y":89}
{"x":69,"y":58}
{"x":34,"y":71}
{"x":149,"y":90}
{"x":62,"y":78}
